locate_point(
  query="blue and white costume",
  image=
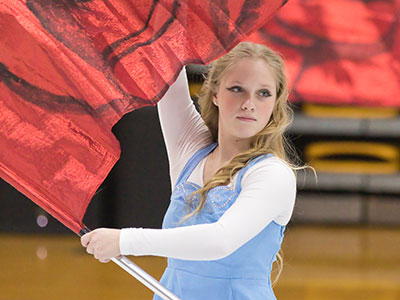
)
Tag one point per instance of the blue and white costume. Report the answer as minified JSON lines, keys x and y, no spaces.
{"x":227,"y":250}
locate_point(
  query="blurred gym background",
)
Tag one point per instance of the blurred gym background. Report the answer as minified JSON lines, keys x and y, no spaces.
{"x":343,"y":241}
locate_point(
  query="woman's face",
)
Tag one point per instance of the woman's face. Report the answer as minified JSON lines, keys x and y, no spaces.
{"x":245,"y":98}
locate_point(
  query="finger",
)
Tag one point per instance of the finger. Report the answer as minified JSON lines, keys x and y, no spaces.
{"x":85,"y":239}
{"x":104,"y":261}
{"x":90,"y":249}
{"x":97,"y":254}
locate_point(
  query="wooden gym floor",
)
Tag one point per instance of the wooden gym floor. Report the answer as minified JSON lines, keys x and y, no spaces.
{"x":321,"y":263}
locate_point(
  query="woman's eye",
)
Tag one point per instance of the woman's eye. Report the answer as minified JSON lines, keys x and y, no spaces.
{"x":265,"y":93}
{"x":235,"y":89}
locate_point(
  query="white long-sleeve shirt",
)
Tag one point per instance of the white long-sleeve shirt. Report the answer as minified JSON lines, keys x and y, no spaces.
{"x":268,"y":191}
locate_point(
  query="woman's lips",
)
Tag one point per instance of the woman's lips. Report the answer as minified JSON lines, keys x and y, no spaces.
{"x":246,"y":119}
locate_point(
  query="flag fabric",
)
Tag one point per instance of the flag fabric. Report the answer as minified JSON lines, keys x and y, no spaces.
{"x":339,"y":52}
{"x":70,"y":69}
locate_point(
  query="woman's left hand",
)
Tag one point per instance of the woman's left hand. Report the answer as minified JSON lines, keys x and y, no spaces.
{"x":103,"y":243}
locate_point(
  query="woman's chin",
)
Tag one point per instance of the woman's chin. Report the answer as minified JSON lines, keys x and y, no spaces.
{"x":245,"y":136}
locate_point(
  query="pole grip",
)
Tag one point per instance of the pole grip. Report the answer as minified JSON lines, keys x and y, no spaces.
{"x":139,"y":274}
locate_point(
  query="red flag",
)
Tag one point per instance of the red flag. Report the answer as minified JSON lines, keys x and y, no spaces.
{"x":70,"y":70}
{"x":339,"y":51}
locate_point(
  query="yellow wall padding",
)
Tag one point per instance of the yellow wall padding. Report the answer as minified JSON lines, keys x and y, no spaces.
{"x":194,"y":89}
{"x":316,"y":155}
{"x":352,"y":112}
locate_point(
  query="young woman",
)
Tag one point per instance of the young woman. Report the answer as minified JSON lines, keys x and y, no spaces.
{"x":233,"y":185}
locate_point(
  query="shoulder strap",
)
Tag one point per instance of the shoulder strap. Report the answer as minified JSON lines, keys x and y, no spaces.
{"x":194,"y":160}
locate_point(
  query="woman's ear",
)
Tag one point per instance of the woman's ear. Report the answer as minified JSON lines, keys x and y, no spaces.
{"x":215,"y":99}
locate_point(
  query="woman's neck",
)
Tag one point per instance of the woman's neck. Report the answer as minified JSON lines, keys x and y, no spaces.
{"x":228,"y":149}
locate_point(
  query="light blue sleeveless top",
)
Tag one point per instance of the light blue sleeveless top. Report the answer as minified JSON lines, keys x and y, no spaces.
{"x":243,"y":275}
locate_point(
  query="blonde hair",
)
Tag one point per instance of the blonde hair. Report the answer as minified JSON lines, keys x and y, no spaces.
{"x":270,"y":139}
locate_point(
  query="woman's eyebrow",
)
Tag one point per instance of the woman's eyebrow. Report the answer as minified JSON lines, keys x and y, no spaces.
{"x":265,"y":85}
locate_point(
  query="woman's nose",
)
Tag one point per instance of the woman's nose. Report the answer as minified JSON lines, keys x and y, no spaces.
{"x":248,"y":104}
